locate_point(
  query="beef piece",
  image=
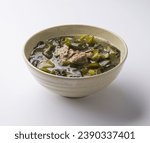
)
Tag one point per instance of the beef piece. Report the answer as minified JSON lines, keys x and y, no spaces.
{"x":79,"y":58}
{"x":89,"y":54}
{"x":63,"y":51}
{"x":71,"y":53}
{"x":72,"y":56}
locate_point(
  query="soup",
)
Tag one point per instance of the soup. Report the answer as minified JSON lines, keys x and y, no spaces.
{"x":74,"y":56}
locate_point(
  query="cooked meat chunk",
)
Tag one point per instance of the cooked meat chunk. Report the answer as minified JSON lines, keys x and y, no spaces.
{"x":73,"y":56}
{"x":62,"y":54}
{"x":63,"y":51}
{"x":71,"y":53}
{"x":89,"y":54}
{"x":79,"y":58}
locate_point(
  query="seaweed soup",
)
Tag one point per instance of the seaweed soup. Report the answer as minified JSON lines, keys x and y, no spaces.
{"x":74,"y":56}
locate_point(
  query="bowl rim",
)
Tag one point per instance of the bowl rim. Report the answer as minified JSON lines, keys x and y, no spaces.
{"x":76,"y":78}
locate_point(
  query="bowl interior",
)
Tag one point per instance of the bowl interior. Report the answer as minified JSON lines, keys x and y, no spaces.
{"x":76,"y":30}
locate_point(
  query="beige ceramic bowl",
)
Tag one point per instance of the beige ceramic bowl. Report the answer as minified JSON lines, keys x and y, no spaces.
{"x":73,"y":86}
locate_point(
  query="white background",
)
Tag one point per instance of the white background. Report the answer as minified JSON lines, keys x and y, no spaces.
{"x":24,"y":102}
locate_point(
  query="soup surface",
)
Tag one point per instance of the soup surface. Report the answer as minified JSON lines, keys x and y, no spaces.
{"x":74,"y":56}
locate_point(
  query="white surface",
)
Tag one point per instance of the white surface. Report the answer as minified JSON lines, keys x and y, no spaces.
{"x":24,"y":102}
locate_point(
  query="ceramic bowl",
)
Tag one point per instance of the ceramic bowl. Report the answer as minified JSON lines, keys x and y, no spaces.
{"x":75,"y":86}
